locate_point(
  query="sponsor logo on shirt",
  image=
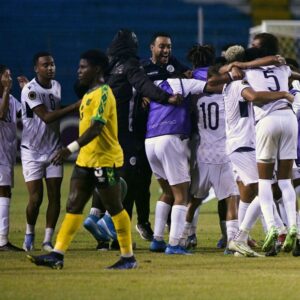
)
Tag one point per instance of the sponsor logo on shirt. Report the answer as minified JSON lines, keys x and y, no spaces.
{"x":152,"y":73}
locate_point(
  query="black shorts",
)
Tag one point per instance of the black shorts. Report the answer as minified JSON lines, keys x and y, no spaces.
{"x":100,"y":177}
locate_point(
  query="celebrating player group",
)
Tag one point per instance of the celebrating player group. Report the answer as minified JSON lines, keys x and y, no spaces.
{"x":229,"y":123}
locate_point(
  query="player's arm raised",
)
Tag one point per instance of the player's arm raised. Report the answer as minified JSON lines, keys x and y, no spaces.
{"x":216,"y":83}
{"x":276,"y":60}
{"x":6,"y":83}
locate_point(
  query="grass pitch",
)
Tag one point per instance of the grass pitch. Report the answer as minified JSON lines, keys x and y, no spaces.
{"x":207,"y":274}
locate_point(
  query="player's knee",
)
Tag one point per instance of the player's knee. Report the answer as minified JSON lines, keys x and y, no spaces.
{"x":36,"y":199}
{"x":113,"y":207}
{"x":54,"y":196}
{"x":285,"y":184}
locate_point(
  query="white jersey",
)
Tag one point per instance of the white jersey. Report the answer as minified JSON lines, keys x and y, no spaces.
{"x":269,"y":78}
{"x":296,"y":103}
{"x":8,"y":133}
{"x":211,"y":126}
{"x":37,"y":136}
{"x":185,"y":86}
{"x":239,"y":116}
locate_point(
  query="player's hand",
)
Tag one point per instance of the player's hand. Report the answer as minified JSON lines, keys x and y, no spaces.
{"x":188,"y":74}
{"x":22,"y":81}
{"x":145,"y":102}
{"x":60,"y":156}
{"x":237,"y":73}
{"x":281,"y":60}
{"x":289,"y":97}
{"x":6,"y":80}
{"x":176,"y":99}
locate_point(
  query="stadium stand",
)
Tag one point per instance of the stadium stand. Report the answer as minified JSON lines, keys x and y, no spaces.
{"x":66,"y":30}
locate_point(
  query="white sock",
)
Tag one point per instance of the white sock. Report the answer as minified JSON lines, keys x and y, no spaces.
{"x":297,"y":190}
{"x":95,"y":212}
{"x":29,"y":229}
{"x":193,"y":229}
{"x":178,"y":216}
{"x":251,"y":216}
{"x":298,"y":224}
{"x":161,"y":216}
{"x":48,"y":234}
{"x":4,"y":220}
{"x":263,"y":223}
{"x":185,"y":233}
{"x":289,"y":200}
{"x":232,"y":228}
{"x":242,"y":236}
{"x":242,"y":211}
{"x":282,"y":212}
{"x":278,"y":222}
{"x":265,"y":196}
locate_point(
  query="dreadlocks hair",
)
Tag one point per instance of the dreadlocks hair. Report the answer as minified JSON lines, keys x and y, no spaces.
{"x":201,"y":56}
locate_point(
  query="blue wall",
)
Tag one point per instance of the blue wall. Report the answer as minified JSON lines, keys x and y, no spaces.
{"x":67,"y":28}
{"x":224,"y":24}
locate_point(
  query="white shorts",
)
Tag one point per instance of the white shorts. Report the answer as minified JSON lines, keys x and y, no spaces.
{"x":35,"y":168}
{"x":220,"y":177}
{"x":6,"y":175}
{"x":277,"y":136}
{"x":295,"y":173}
{"x":168,"y":156}
{"x":245,"y":167}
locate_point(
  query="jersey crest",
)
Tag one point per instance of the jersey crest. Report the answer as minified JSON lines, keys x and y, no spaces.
{"x":32,"y":95}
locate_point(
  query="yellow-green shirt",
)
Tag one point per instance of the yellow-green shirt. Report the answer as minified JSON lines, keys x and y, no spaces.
{"x":104,"y":150}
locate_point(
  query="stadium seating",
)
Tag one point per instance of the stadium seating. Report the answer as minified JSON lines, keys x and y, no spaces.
{"x":261,"y":10}
{"x":67,"y":28}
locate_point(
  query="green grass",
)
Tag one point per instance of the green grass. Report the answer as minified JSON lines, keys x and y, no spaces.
{"x":207,"y":274}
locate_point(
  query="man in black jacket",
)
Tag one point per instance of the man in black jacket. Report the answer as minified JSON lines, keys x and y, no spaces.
{"x":125,"y":76}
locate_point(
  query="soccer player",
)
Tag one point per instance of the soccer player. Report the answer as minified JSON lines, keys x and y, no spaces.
{"x":211,"y":128}
{"x":241,"y":145}
{"x":160,"y":66}
{"x":276,"y":141}
{"x":168,"y":131}
{"x":9,"y":108}
{"x":97,"y":165}
{"x":214,"y":168}
{"x":294,"y":86}
{"x":41,"y":111}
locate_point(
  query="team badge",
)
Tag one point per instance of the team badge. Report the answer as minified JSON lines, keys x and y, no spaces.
{"x":170,"y":68}
{"x":32,"y":95}
{"x":132,"y":160}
